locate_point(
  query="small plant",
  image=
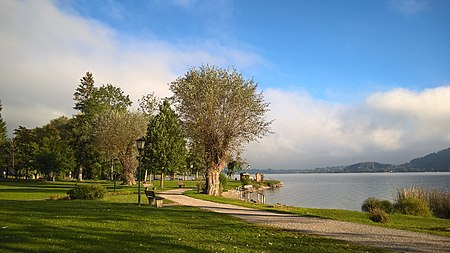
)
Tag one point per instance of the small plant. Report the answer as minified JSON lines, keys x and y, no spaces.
{"x":223,"y":179}
{"x":245,"y":179}
{"x":377,"y":214}
{"x":87,"y":192}
{"x":372,"y":203}
{"x":201,"y":187}
{"x":272,"y":183}
{"x":58,"y":197}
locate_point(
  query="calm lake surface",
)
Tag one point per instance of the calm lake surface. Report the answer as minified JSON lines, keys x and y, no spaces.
{"x":347,"y":190}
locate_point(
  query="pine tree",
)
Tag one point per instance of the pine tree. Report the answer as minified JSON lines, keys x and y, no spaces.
{"x":165,"y":149}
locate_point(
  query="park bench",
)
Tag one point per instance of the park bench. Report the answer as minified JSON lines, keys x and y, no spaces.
{"x":181,"y":185}
{"x":154,"y":200}
{"x":147,"y":186}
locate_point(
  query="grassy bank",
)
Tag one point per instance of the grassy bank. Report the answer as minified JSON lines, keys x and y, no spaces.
{"x":117,"y":224}
{"x":429,"y":225}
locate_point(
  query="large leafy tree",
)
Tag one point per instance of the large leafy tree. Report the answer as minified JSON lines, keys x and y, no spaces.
{"x":221,"y":112}
{"x":26,"y":145}
{"x":165,"y":149}
{"x":92,"y":101}
{"x":54,"y":156}
{"x":115,"y":133}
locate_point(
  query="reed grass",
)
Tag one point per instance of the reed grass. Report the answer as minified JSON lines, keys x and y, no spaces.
{"x":438,"y":201}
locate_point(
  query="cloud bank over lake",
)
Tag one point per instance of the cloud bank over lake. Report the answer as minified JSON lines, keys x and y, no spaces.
{"x":392,"y":126}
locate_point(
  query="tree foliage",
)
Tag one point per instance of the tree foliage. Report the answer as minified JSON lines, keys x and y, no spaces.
{"x":234,"y":166}
{"x":3,"y":142}
{"x":53,"y":155}
{"x":115,"y":133}
{"x":221,"y":112}
{"x":149,"y":104}
{"x":165,"y":149}
{"x":3,"y":132}
{"x":92,"y":101}
{"x":25,"y":142}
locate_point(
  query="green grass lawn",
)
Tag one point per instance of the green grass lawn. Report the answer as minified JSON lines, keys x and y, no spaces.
{"x":118,"y":224}
{"x":429,"y":225}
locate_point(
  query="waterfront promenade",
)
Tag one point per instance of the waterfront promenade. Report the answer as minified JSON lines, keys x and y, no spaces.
{"x":391,"y":239}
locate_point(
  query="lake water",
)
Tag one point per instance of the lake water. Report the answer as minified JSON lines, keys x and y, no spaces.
{"x":347,"y":190}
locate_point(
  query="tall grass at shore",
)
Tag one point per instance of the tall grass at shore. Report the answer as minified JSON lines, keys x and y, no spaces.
{"x":437,"y":201}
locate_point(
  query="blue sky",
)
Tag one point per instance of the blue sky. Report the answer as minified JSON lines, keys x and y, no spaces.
{"x":348,"y":81}
{"x":328,"y":48}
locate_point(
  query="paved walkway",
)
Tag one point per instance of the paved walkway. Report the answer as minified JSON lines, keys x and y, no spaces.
{"x":391,"y":239}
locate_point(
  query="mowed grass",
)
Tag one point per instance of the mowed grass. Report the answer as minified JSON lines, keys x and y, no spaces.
{"x":118,"y":224}
{"x":429,"y":225}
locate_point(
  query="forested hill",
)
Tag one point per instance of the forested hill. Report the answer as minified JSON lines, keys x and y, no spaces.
{"x":439,"y":161}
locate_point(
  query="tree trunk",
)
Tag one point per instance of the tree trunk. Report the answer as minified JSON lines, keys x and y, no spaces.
{"x":161,"y":180}
{"x":212,"y":179}
{"x":80,"y":173}
{"x":130,"y":165}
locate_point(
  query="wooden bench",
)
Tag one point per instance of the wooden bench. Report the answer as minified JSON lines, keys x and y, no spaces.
{"x":154,"y":200}
{"x":147,"y":186}
{"x":181,"y":185}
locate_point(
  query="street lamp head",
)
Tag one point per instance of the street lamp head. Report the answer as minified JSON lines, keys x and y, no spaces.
{"x":140,"y":143}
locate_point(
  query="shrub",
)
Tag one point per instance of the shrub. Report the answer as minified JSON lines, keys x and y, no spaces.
{"x":87,"y":192}
{"x":201,"y":187}
{"x":377,"y":214}
{"x":272,"y":183}
{"x":58,"y":197}
{"x":437,"y":201}
{"x":223,"y":181}
{"x":245,"y":180}
{"x":372,"y":203}
{"x":413,"y":205}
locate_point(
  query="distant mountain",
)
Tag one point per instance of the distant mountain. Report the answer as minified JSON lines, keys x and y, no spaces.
{"x":369,"y":167}
{"x":439,"y":161}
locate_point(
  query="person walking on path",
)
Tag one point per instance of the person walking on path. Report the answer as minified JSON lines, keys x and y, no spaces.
{"x":391,"y":239}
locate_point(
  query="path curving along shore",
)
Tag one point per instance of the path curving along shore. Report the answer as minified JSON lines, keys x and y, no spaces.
{"x":391,"y":239}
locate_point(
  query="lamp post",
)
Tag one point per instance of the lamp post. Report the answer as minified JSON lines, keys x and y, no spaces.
{"x":140,"y":146}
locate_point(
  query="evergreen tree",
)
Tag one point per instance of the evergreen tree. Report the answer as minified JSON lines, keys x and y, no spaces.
{"x":25,"y":143}
{"x":165,"y":150}
{"x":91,"y":102}
{"x":3,"y":144}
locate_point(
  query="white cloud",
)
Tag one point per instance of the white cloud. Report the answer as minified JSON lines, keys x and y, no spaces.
{"x":393,"y":126}
{"x":409,"y":6}
{"x":46,"y":51}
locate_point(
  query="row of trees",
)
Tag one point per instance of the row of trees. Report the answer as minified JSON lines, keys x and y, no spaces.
{"x":211,"y":116}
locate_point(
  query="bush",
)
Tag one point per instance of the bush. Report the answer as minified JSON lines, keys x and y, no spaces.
{"x":372,"y":203}
{"x":223,"y":181}
{"x":201,"y":187}
{"x":377,"y":214}
{"x":437,"y":201}
{"x":245,"y":180}
{"x":272,"y":183}
{"x":87,"y":192}
{"x":413,"y":205}
{"x":58,"y":197}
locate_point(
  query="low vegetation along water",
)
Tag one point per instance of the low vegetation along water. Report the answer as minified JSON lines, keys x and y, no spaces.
{"x":347,"y":190}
